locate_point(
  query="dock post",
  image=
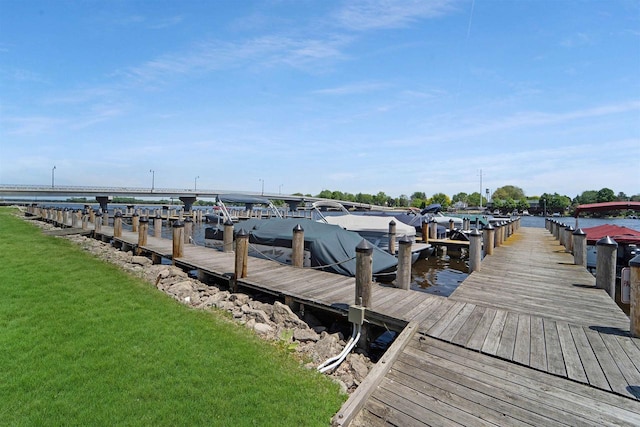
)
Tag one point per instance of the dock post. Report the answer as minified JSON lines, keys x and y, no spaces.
{"x":135,"y":222}
{"x":75,"y":219}
{"x":242,"y":254}
{"x":451,"y":225}
{"x":579,"y":247}
{"x":105,"y":218}
{"x":425,"y":231}
{"x":143,"y":230}
{"x":634,"y":313}
{"x":607,"y":249}
{"x":188,"y":229}
{"x":561,"y":234}
{"x":297,"y":246}
{"x":85,"y":220}
{"x":157,"y":225}
{"x":227,"y":236}
{"x":489,"y":236}
{"x":117,"y":225}
{"x":568,"y":238}
{"x":178,"y":241}
{"x":364,"y":277}
{"x":403,"y":276}
{"x":392,"y":237}
{"x":433,"y":229}
{"x":475,"y":250}
{"x":97,"y":225}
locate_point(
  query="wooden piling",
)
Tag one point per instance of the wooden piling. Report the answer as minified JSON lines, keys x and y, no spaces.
{"x":227,"y":237}
{"x":157,"y":226}
{"x":97,"y":224}
{"x":242,"y":255}
{"x":579,"y":247}
{"x":489,"y":235}
{"x":135,"y":222}
{"x":392,"y":237}
{"x":425,"y":231}
{"x":188,"y":229}
{"x":143,"y":230}
{"x":297,"y":246}
{"x":568,"y":238}
{"x":606,"y":265}
{"x":178,"y":241}
{"x":433,"y":229}
{"x":634,"y":265}
{"x":117,"y":225}
{"x":403,"y":275}
{"x":475,"y":250}
{"x":364,"y":279}
{"x":364,"y":276}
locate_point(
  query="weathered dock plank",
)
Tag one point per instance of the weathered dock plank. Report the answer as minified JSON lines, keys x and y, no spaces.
{"x":458,"y":383}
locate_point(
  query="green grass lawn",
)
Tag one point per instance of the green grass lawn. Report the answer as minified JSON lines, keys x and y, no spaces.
{"x":83,"y":343}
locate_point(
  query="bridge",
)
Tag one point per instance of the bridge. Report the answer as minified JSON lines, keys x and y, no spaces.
{"x":188,"y":196}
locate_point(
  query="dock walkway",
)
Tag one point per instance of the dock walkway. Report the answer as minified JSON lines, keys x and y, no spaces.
{"x":527,"y":340}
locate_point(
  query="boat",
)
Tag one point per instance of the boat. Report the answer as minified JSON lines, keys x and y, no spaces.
{"x":326,"y":247}
{"x":221,"y":213}
{"x":373,"y":228}
{"x":628,"y":239}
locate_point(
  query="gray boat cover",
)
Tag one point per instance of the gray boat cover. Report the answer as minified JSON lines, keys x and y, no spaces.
{"x":329,"y":245}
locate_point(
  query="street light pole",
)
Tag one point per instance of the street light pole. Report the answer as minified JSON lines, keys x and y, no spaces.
{"x":195,"y":183}
{"x":262,"y":181}
{"x":53,"y":177}
{"x":153,"y":179}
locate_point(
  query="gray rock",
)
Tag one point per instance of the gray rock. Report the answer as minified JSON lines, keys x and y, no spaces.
{"x":262,"y":328}
{"x":283,"y":315}
{"x":141,"y":260}
{"x":304,"y":335}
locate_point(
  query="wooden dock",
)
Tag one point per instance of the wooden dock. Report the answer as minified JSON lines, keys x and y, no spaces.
{"x":527,"y":340}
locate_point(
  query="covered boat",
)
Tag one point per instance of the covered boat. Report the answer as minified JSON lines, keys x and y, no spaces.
{"x":628,"y":241}
{"x":327,"y":247}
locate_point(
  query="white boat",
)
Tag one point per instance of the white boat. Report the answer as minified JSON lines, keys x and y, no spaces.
{"x":373,"y":228}
{"x":444,"y":220}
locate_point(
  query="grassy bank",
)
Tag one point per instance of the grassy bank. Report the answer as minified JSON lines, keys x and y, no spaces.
{"x":83,"y":343}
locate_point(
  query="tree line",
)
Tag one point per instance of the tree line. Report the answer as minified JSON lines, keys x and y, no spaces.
{"x":506,"y":198}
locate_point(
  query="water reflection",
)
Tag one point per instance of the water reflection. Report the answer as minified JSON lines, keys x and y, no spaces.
{"x":438,"y":275}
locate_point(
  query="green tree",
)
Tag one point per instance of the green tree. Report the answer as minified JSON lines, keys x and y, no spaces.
{"x":589,"y":196}
{"x":555,"y":202}
{"x":460,"y":197}
{"x":419,"y":195}
{"x":402,"y":201}
{"x":325,"y":194}
{"x":474,"y":199}
{"x":508,"y":192}
{"x":442,"y":199}
{"x":364,"y":198}
{"x":606,"y":195}
{"x":381,"y":199}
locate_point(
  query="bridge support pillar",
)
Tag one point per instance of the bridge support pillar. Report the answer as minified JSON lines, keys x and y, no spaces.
{"x":188,"y":202}
{"x":103,"y":200}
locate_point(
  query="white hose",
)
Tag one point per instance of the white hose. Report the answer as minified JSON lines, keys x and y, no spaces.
{"x":333,"y":362}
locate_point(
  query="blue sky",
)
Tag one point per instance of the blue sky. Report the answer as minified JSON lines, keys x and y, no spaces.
{"x":301,"y":96}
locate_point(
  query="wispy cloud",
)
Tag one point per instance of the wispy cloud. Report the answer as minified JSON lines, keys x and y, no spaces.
{"x":30,"y":125}
{"x":354,"y":88}
{"x":386,"y":14}
{"x":576,"y":40}
{"x":267,"y":51}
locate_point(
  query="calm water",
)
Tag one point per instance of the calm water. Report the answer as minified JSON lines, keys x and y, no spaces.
{"x":438,"y":275}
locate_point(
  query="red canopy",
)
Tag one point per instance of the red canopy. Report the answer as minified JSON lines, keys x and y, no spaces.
{"x":619,"y":234}
{"x":607,"y":206}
